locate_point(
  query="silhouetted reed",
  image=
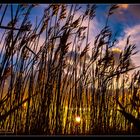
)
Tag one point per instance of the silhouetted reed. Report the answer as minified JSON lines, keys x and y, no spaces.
{"x":45,"y":85}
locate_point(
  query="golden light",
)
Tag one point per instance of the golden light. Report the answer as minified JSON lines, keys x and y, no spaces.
{"x":77,"y":119}
{"x":116,"y":50}
{"x":123,"y":6}
{"x":24,"y":105}
{"x":66,"y":108}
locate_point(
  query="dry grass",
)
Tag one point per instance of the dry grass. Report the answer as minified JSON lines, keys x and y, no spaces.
{"x":43,"y":88}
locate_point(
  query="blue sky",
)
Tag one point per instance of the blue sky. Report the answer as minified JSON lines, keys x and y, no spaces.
{"x":125,"y":16}
{"x":126,"y":21}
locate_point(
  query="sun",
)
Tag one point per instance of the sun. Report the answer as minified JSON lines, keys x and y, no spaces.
{"x":77,"y":119}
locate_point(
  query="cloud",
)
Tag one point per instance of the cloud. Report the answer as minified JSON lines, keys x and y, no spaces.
{"x":134,"y":39}
{"x":116,"y":54}
{"x":94,"y":29}
{"x":135,"y":10}
{"x":135,"y":36}
{"x":123,"y":6}
{"x":129,"y":14}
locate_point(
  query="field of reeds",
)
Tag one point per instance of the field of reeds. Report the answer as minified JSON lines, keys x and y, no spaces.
{"x":46,"y":85}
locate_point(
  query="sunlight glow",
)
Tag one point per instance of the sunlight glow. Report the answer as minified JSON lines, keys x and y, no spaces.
{"x":25,"y":105}
{"x":117,"y":50}
{"x":66,"y":108}
{"x":123,"y":6}
{"x":77,"y":119}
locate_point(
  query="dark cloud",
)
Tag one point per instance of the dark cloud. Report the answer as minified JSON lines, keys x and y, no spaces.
{"x":135,"y":10}
{"x":128,"y":14}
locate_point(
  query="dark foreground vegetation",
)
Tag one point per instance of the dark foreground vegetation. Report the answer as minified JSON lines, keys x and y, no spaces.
{"x":45,"y":85}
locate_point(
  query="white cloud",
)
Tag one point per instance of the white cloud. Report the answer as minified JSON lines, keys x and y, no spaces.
{"x":134,"y":39}
{"x":94,"y":29}
{"x":135,"y":36}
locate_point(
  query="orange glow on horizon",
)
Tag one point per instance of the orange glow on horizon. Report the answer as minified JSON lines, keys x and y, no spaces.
{"x":123,"y":6}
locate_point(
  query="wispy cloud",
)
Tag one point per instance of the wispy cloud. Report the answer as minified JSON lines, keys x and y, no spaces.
{"x":134,"y":39}
{"x":94,"y":29}
{"x":135,"y":36}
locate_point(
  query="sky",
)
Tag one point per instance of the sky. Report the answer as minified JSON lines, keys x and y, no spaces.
{"x":125,"y":21}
